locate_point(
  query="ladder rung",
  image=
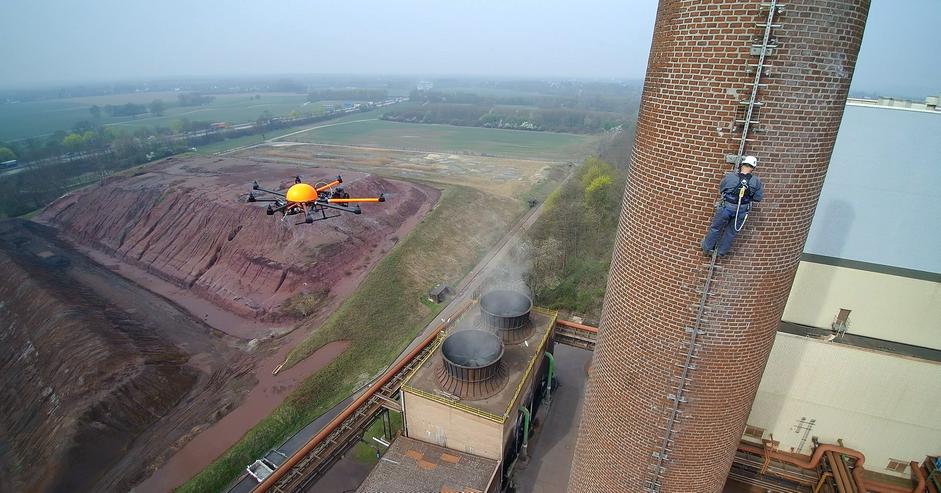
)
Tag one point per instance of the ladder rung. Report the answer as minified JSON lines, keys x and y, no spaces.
{"x":773,"y":26}
{"x":743,"y":121}
{"x":746,"y":103}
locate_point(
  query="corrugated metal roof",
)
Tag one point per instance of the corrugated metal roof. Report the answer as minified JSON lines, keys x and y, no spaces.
{"x":881,"y":201}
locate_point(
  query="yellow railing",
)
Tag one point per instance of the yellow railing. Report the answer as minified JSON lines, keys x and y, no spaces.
{"x":553,"y":315}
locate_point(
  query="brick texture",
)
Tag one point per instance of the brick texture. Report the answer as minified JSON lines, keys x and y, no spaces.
{"x":696,"y":77}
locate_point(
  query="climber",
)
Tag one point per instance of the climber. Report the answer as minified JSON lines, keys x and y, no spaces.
{"x":738,"y":191}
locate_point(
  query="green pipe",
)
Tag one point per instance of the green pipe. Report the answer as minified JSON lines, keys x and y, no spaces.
{"x":549,"y":377}
{"x":526,"y":417}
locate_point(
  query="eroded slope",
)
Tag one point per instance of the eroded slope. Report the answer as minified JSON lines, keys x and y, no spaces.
{"x":186,"y":222}
{"x":79,"y":380}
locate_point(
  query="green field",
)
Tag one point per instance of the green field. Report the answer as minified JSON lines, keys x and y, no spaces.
{"x":37,"y":118}
{"x":453,"y":139}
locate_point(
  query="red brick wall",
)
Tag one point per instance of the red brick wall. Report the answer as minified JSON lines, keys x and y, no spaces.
{"x":695,"y":79}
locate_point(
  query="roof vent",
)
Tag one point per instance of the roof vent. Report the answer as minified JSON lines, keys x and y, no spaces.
{"x":470,"y":365}
{"x":507,"y":313}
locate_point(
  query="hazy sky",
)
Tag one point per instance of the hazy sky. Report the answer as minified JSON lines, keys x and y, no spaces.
{"x":54,"y":41}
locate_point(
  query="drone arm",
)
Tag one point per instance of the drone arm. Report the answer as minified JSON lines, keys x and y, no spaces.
{"x":270,"y":191}
{"x":256,"y":186}
{"x":329,"y":185}
{"x":354,"y":209}
{"x":361,"y":199}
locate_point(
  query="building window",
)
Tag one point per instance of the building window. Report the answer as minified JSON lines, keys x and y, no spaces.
{"x":897,"y":465}
{"x":754,"y":432}
{"x":841,"y":320}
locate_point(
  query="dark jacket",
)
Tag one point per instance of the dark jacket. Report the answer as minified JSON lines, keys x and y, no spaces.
{"x":731,"y":182}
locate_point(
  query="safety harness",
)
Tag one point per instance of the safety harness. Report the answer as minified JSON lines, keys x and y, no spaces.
{"x":743,"y":187}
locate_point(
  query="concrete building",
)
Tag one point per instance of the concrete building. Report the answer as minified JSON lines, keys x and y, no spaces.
{"x":474,"y":397}
{"x":682,"y":345}
{"x":874,"y":274}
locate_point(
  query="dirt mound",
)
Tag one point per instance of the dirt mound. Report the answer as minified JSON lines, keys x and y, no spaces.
{"x":79,"y":379}
{"x":99,"y":379}
{"x":187,"y":223}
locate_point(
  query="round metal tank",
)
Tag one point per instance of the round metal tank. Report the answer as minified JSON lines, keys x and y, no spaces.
{"x":508,"y":313}
{"x":505,"y":309}
{"x":470,"y":365}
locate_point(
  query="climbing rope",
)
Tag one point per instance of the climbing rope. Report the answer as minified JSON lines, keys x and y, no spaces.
{"x":741,"y":193}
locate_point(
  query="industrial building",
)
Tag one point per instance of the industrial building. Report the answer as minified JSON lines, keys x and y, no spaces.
{"x":858,"y":359}
{"x":475,"y":392}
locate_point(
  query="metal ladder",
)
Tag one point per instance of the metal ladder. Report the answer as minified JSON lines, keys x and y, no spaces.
{"x":677,"y":397}
{"x":761,"y":49}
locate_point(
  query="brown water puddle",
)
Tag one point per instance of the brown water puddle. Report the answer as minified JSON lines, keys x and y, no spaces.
{"x":260,"y":402}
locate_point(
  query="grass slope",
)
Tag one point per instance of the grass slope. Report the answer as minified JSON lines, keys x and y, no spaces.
{"x":380,"y":319}
{"x":453,"y":139}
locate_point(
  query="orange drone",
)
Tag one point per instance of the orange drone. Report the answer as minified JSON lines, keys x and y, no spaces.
{"x":310,"y":200}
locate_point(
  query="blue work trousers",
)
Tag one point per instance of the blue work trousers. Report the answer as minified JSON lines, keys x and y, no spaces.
{"x":722,"y":229}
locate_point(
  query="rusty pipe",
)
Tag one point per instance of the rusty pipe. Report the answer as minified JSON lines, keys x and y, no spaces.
{"x":823,"y":477}
{"x":573,"y":325}
{"x":917,"y":476}
{"x":319,"y":437}
{"x":814,"y":461}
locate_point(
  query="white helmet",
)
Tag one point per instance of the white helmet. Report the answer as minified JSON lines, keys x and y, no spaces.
{"x":750,"y":161}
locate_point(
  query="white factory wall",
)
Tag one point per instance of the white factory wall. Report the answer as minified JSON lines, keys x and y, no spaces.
{"x":883,"y":405}
{"x":884,"y":306}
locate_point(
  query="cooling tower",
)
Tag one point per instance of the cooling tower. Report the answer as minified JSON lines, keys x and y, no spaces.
{"x":674,"y":373}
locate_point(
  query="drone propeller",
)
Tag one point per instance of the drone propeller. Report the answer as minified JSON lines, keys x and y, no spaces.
{"x":256,"y":186}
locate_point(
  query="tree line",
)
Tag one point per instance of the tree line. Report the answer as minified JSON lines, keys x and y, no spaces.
{"x":539,"y":119}
{"x":570,"y":245}
{"x":347,"y":95}
{"x":626,"y":102}
{"x":157,"y":107}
